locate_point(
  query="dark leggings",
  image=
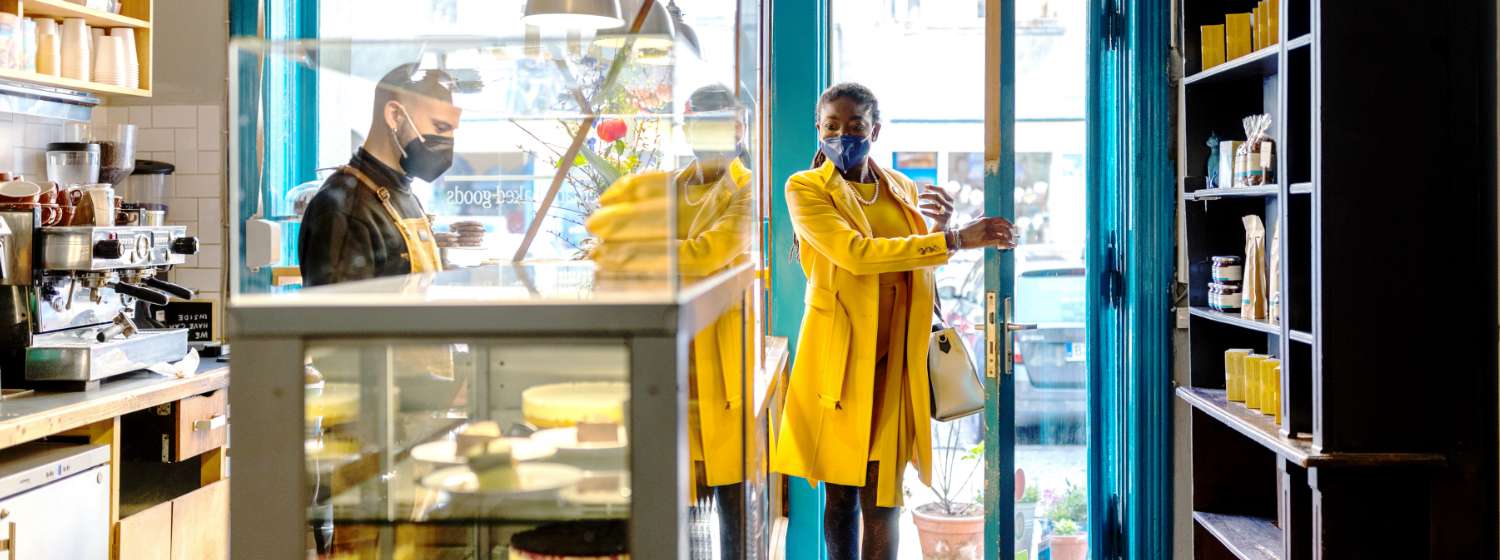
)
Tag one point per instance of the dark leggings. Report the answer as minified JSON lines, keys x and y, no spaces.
{"x":731,"y":498}
{"x":846,"y":508}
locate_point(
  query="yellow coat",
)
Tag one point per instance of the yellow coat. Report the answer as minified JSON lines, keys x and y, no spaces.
{"x":709,"y":237}
{"x":826,"y":425}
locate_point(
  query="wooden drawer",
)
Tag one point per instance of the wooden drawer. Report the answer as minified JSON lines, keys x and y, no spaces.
{"x":178,"y":430}
{"x":194,"y":526}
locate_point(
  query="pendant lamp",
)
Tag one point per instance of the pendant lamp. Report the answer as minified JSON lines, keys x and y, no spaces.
{"x":573,"y":14}
{"x":656,"y":34}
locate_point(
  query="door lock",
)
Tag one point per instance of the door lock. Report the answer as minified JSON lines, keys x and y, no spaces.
{"x":1011,"y":328}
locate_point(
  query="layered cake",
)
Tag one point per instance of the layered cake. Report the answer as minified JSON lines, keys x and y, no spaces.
{"x":566,"y":404}
{"x":573,"y":540}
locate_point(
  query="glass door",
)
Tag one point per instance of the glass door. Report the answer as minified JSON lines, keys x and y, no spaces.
{"x":1005,"y":134}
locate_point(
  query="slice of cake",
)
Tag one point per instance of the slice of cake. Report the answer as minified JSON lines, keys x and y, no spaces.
{"x":495,"y":467}
{"x":474,"y":436}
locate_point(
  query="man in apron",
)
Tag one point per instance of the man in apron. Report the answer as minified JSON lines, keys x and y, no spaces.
{"x":365,"y":222}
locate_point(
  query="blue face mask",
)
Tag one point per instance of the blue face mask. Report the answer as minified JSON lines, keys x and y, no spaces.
{"x":845,"y":151}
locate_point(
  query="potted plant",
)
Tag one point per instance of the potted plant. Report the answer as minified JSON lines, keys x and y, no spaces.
{"x":1026,"y":513}
{"x":952,"y":528}
{"x":1068,"y":515}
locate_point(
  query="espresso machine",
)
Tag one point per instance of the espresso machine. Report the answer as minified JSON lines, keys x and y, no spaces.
{"x":70,"y":295}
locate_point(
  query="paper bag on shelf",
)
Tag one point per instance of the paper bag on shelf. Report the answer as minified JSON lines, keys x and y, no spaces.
{"x":1252,"y":160}
{"x":1237,"y":31}
{"x":1253,"y":288}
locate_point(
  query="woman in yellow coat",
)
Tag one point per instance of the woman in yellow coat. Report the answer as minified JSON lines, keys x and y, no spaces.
{"x":857,"y":408}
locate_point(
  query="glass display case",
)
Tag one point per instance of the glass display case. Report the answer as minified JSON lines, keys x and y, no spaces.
{"x":496,"y":412}
{"x":574,"y":371}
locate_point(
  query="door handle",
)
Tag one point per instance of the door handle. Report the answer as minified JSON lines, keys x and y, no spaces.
{"x":1011,"y":328}
{"x":214,"y":423}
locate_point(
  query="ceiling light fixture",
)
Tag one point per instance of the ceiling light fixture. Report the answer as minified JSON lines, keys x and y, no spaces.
{"x":573,"y":14}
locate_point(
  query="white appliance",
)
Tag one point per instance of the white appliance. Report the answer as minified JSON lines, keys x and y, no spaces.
{"x":54,"y":501}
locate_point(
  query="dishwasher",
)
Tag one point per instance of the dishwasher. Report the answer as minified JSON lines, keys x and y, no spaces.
{"x":54,"y":502}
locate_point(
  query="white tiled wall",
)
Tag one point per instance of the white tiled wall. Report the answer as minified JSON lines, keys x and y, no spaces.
{"x":187,"y":136}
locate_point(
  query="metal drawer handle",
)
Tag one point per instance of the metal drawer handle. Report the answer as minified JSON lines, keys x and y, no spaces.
{"x":214,"y":423}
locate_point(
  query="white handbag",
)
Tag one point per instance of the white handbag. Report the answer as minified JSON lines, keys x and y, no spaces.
{"x":957,"y":390}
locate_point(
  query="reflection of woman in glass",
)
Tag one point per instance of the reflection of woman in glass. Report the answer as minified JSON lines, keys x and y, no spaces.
{"x":857,"y":408}
{"x":711,"y":233}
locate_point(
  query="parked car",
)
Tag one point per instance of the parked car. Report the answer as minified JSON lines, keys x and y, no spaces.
{"x":1051,"y":361}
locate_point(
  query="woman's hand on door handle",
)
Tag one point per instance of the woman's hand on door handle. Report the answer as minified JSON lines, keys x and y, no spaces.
{"x":985,"y":232}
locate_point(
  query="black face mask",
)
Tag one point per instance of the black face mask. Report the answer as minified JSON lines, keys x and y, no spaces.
{"x":424,"y":157}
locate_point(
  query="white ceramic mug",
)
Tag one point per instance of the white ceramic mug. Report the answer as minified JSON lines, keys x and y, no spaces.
{"x":100,"y":200}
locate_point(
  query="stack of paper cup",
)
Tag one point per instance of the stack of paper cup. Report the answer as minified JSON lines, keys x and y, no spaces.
{"x":109,"y":63}
{"x":49,"y":54}
{"x":75,"y":49}
{"x":28,"y":48}
{"x":94,"y":34}
{"x":132,"y":59}
{"x":48,"y":48}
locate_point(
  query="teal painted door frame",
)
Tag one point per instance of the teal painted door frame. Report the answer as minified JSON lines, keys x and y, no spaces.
{"x":1130,"y":260}
{"x":288,"y":97}
{"x":799,"y":73}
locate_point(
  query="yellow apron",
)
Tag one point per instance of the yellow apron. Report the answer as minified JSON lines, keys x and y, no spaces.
{"x":422,"y":250}
{"x":421,"y":244}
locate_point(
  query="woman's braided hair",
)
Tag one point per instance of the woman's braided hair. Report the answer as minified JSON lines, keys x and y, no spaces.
{"x":852,"y":91}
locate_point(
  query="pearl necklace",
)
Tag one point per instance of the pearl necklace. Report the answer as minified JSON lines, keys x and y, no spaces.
{"x":861,"y":199}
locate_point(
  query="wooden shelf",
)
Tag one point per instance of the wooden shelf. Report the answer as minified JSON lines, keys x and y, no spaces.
{"x":1303,"y":41}
{"x":1301,"y":188}
{"x":1249,"y":538}
{"x":1302,"y":336}
{"x":1233,"y":192}
{"x":1236,"y":320}
{"x":96,"y":18}
{"x":1262,"y":429}
{"x":1261,"y":63}
{"x":71,"y":84}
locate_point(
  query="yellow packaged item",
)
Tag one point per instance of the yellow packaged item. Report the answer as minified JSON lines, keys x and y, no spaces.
{"x":1258,"y":34}
{"x":1276,"y":392}
{"x":1267,"y":384}
{"x":1252,"y":380}
{"x":1212,"y":47}
{"x":1234,"y":374}
{"x":1275,"y":25}
{"x":1237,"y":30}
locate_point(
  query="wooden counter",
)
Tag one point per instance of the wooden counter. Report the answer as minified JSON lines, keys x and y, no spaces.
{"x":37,"y":415}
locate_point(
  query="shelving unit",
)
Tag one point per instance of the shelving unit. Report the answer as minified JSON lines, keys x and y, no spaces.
{"x":1373,"y":452}
{"x":134,"y":14}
